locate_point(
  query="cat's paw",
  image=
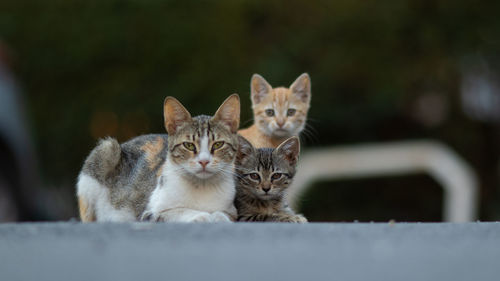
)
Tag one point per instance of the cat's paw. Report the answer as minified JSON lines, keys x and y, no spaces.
{"x":295,"y":219}
{"x":148,"y":216}
{"x":200,"y":217}
{"x":220,"y":217}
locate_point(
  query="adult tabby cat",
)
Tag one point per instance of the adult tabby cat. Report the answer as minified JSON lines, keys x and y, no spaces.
{"x":279,"y":113}
{"x":263,"y":177}
{"x":185,"y":176}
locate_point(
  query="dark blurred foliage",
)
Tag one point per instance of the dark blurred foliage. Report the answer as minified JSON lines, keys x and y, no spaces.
{"x":408,"y":198}
{"x":96,"y":68}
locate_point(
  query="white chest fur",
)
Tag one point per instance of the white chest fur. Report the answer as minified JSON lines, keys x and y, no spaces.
{"x":173,"y":191}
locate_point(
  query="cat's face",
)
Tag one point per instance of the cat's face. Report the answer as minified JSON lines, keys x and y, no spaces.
{"x":202,"y":147}
{"x":265,"y":172}
{"x":280,"y":112}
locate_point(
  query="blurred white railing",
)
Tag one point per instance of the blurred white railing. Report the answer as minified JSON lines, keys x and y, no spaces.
{"x":440,"y":162}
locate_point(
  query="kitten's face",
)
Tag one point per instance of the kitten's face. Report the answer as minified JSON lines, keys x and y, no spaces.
{"x":280,"y":112}
{"x":265,"y":172}
{"x":203,"y":146}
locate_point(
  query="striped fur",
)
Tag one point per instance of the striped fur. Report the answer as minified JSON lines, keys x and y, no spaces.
{"x":279,"y":113}
{"x":263,"y":177}
{"x":183,"y":176}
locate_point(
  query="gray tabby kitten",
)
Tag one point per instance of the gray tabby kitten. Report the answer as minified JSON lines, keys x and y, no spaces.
{"x":263,"y":177}
{"x":185,"y":176}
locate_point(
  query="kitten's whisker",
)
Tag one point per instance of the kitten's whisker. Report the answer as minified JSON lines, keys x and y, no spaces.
{"x":247,"y":122}
{"x":309,"y":133}
{"x":309,"y":136}
{"x":309,"y":127}
{"x":309,"y":118}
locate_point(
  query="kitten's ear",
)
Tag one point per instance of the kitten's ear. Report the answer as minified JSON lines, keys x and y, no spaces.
{"x":289,"y":149}
{"x":229,"y":113}
{"x":302,"y":87}
{"x":259,"y":88}
{"x":245,"y":149}
{"x":174,"y":114}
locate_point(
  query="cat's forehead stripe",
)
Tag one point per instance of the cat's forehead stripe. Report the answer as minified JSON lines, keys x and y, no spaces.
{"x":203,"y":126}
{"x":280,"y":102}
{"x":265,"y":161}
{"x":281,"y":96}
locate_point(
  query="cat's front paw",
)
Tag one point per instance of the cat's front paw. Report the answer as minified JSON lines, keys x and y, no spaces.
{"x":295,"y":219}
{"x":149,"y":216}
{"x":200,"y":217}
{"x":220,"y":217}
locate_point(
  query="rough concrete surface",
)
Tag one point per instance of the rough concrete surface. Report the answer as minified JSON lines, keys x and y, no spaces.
{"x":146,"y":251}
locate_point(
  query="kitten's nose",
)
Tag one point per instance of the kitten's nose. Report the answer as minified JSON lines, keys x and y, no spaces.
{"x":280,"y":123}
{"x":266,"y":189}
{"x":203,"y":163}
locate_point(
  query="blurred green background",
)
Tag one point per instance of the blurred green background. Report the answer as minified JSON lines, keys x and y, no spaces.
{"x":381,"y":71}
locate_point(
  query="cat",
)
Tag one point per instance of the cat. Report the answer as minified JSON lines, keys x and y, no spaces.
{"x":263,"y":176}
{"x":186,"y":175}
{"x":279,"y":113}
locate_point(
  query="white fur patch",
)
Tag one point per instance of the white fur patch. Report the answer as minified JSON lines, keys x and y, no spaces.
{"x":197,"y":201}
{"x":98,"y":197}
{"x":204,"y":154}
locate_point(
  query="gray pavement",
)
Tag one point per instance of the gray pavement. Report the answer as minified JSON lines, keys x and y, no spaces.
{"x":146,"y":251}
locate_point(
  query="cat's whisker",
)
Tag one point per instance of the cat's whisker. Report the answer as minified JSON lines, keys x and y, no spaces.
{"x":226,"y":172}
{"x":172,"y":171}
{"x":148,"y":181}
{"x":309,"y":133}
{"x":246,"y":122}
{"x":311,"y":119}
{"x":307,"y":138}
{"x":309,"y":127}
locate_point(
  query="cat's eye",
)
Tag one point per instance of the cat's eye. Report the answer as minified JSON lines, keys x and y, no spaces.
{"x":189,"y":146}
{"x":270,"y":112}
{"x":291,"y":112}
{"x":217,"y":145}
{"x":276,"y":176}
{"x":254,"y":176}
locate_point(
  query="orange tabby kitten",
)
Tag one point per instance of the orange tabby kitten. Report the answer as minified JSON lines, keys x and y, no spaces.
{"x":279,"y":113}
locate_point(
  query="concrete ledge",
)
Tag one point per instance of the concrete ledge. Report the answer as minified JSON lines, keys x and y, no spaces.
{"x":146,"y":251}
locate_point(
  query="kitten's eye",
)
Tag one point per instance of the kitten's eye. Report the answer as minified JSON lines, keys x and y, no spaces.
{"x":217,"y":145}
{"x":276,"y":176}
{"x":291,"y":112}
{"x":254,"y":176}
{"x":189,"y":146}
{"x":270,"y":112}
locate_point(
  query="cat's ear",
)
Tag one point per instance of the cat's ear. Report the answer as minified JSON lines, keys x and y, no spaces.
{"x":245,"y":149}
{"x":175,"y":114}
{"x":229,"y":113}
{"x":301,"y":87}
{"x":259,"y":88}
{"x":289,"y":149}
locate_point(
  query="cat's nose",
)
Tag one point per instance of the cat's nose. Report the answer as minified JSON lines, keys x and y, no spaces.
{"x":280,"y":123}
{"x":266,"y":189}
{"x":204,"y":163}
